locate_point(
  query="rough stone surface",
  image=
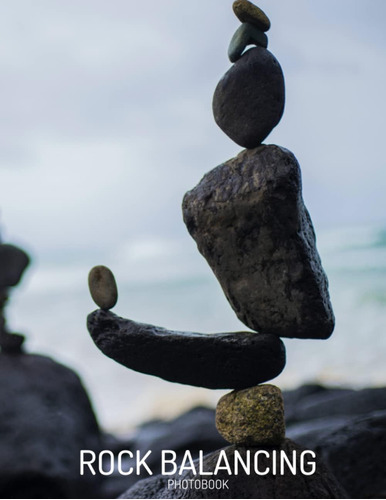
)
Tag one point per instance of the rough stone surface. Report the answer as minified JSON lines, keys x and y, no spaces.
{"x":216,"y":361}
{"x":252,"y":417}
{"x":45,"y":420}
{"x":103,"y":287}
{"x":246,"y":12}
{"x":246,"y":34}
{"x":13,"y":262}
{"x":354,"y":449}
{"x":322,"y":484}
{"x":249,"y":99}
{"x":249,"y":221}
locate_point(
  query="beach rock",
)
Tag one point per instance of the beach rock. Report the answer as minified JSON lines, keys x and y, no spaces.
{"x":13,"y":262}
{"x":216,"y":361}
{"x":103,"y":287}
{"x":45,"y":420}
{"x":249,"y":99}
{"x":322,"y":484}
{"x":249,"y":221}
{"x":246,"y":34}
{"x":247,"y":12}
{"x":354,"y":449}
{"x":252,"y":417}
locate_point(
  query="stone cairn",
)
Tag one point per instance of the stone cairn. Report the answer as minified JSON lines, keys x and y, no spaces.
{"x":13,"y":262}
{"x":249,"y":221}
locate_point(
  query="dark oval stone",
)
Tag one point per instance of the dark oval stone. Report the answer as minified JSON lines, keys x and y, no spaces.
{"x":249,"y":99}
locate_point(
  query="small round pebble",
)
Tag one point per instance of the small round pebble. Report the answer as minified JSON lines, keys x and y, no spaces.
{"x":252,"y":417}
{"x":246,"y":12}
{"x":103,"y":287}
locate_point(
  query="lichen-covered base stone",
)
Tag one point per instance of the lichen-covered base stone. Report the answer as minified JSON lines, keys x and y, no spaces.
{"x":252,"y":417}
{"x":249,"y":221}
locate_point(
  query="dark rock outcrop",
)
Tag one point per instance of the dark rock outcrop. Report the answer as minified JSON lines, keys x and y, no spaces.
{"x":335,"y":403}
{"x":249,"y":99}
{"x":249,"y":221}
{"x":215,"y":361}
{"x":45,"y":420}
{"x":319,"y":485}
{"x":354,"y":449}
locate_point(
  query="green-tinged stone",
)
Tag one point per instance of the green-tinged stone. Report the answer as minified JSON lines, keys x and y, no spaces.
{"x":246,"y":34}
{"x":246,"y":12}
{"x":252,"y":417}
{"x":103,"y":287}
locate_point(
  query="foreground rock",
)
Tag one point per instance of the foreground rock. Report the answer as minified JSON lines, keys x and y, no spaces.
{"x":45,"y":420}
{"x":335,"y":403}
{"x":249,"y":99}
{"x":194,"y":430}
{"x":215,"y":361}
{"x":252,"y":417}
{"x":354,"y":449}
{"x":250,"y":223}
{"x":319,"y":485}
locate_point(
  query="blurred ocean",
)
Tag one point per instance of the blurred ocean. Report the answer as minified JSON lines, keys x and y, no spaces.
{"x":167,"y":283}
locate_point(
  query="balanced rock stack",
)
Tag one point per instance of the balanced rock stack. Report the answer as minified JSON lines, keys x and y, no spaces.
{"x":249,"y":221}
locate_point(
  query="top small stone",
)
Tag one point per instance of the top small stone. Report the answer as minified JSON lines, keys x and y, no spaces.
{"x":246,"y":12}
{"x":103,"y":287}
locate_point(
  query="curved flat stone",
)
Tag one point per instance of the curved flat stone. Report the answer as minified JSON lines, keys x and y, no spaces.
{"x":249,"y":221}
{"x":246,"y":12}
{"x":245,"y":35}
{"x":216,"y":361}
{"x":249,"y":99}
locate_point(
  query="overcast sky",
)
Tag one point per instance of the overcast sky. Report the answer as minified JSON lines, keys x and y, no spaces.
{"x":105,"y":113}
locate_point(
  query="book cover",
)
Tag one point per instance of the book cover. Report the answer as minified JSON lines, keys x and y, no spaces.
{"x":192,"y":249}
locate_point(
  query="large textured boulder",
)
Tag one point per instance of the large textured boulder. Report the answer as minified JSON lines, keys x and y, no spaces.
{"x":249,"y":221}
{"x":249,"y":99}
{"x":45,"y":420}
{"x":216,"y":361}
{"x":321,"y":484}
